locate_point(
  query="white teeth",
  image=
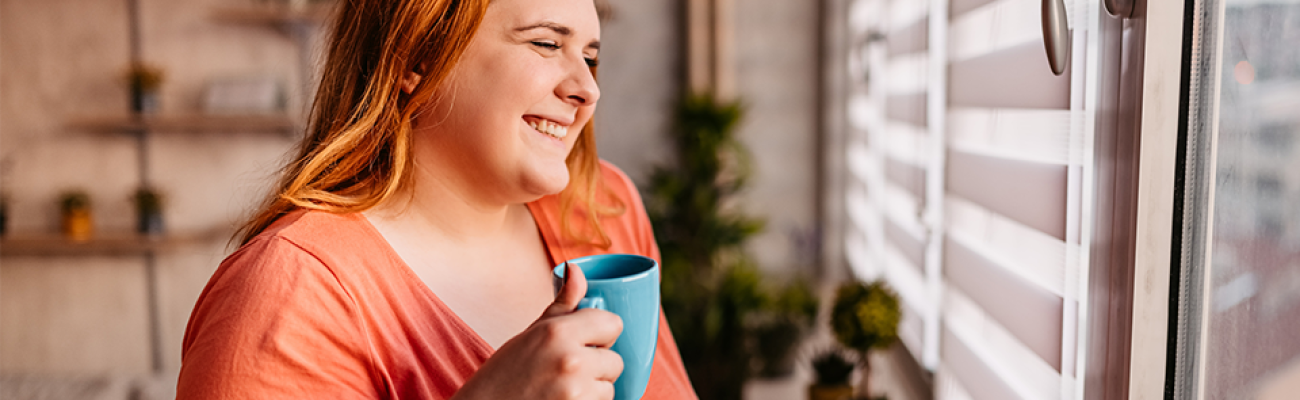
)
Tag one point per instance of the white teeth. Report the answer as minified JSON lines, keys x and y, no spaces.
{"x":550,"y":128}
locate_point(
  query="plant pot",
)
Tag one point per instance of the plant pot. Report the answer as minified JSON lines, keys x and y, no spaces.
{"x":776,"y":347}
{"x":830,"y":392}
{"x":78,"y":224}
{"x":150,"y":223}
{"x":144,"y":101}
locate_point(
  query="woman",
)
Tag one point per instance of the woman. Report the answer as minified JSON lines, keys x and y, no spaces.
{"x":407,"y":250}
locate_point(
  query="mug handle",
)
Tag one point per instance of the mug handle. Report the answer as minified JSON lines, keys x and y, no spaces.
{"x":586,"y":302}
{"x":592,"y":302}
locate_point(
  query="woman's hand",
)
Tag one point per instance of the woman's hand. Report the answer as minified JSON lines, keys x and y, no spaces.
{"x":563,"y":355}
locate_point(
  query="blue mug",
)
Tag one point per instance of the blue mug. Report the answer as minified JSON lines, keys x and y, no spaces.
{"x":628,"y":286}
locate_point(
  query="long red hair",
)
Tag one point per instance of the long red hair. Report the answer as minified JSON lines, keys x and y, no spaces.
{"x":357,"y":150}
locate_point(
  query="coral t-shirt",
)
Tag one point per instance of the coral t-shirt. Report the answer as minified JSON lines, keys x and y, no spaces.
{"x":319,"y":306}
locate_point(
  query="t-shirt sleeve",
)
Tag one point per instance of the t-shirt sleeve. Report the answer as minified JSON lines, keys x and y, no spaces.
{"x":275,"y":323}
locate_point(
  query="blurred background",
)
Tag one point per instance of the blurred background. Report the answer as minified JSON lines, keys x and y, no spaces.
{"x":914,"y":199}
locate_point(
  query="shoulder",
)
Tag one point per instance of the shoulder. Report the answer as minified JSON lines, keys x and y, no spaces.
{"x":333,"y":239}
{"x":617,"y":181}
{"x":294,"y":269}
{"x":331,"y":251}
{"x":631,"y":227}
{"x":273,"y":306}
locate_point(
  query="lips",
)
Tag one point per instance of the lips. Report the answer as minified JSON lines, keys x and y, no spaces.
{"x":554,"y":129}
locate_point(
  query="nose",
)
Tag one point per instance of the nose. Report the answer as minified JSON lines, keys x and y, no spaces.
{"x":580,"y":88}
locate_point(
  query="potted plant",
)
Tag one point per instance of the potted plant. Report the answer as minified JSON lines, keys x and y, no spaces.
{"x":831,"y":369}
{"x":144,"y":80}
{"x":148,"y":211}
{"x":710,"y":286}
{"x":78,"y":223}
{"x":4,"y":213}
{"x":780,"y":326}
{"x":865,"y":316}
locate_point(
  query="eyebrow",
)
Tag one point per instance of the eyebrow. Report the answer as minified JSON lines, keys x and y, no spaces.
{"x":557,"y":28}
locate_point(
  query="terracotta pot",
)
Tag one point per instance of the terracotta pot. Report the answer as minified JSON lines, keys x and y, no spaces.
{"x":150,"y":223}
{"x":78,"y":225}
{"x":830,"y":392}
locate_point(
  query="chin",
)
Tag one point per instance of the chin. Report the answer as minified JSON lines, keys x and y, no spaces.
{"x":544,"y":184}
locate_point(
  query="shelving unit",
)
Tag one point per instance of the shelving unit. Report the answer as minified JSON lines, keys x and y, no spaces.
{"x":188,"y":123}
{"x":299,"y":23}
{"x":274,"y":14}
{"x":104,"y":244}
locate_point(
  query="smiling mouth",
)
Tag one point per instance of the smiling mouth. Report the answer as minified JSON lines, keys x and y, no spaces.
{"x":548,"y":127}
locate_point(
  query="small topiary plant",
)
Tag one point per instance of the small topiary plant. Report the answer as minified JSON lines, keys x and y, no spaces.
{"x":865,"y":316}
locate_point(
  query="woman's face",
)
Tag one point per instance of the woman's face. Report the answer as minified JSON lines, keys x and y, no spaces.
{"x":510,"y":111}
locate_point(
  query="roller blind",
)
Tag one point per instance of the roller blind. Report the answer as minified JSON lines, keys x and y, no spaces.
{"x":968,"y":166}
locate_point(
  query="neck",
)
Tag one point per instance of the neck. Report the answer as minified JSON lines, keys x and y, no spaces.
{"x":450,"y":210}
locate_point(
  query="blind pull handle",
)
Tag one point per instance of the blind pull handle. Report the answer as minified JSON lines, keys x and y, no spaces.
{"x":1119,"y":8}
{"x":1056,"y":35}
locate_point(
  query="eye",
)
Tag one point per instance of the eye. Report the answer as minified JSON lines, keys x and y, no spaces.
{"x":546,"y":44}
{"x":592,"y":62}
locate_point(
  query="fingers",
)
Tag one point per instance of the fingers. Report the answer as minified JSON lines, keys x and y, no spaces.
{"x":609,"y":365}
{"x":599,"y":328}
{"x":575,"y":286}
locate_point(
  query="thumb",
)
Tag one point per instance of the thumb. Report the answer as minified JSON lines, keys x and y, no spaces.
{"x":575,"y":287}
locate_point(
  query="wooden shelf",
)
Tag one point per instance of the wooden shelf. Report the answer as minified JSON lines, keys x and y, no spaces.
{"x":276,"y":14}
{"x":263,"y":123}
{"x":124,"y":244}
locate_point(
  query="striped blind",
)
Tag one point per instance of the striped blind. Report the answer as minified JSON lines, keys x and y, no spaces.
{"x":969,"y":165}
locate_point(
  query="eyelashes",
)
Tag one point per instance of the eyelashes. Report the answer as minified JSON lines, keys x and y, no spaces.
{"x":591,"y":62}
{"x":546,"y":45}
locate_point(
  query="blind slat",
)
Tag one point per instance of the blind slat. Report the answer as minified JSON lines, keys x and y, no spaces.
{"x":974,"y":375}
{"x":906,"y":244}
{"x":906,"y":176}
{"x":1031,"y":135}
{"x":909,"y":108}
{"x":906,"y":280}
{"x":1029,"y":192}
{"x":912,"y":38}
{"x":906,"y":74}
{"x":1017,"y":77}
{"x":958,"y":7}
{"x":1029,"y":312}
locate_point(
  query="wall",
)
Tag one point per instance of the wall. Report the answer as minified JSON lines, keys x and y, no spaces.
{"x":776,"y":64}
{"x":640,"y":69}
{"x":63,"y":61}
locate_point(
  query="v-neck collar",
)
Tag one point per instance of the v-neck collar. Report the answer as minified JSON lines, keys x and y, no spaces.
{"x":550,"y":242}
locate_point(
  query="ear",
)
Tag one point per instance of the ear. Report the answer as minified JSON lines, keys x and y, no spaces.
{"x":410,"y":80}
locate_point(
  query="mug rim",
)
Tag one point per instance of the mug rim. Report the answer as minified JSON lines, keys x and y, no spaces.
{"x":654,"y":265}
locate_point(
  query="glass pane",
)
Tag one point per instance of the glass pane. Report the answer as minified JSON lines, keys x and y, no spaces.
{"x":1252,"y":308}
